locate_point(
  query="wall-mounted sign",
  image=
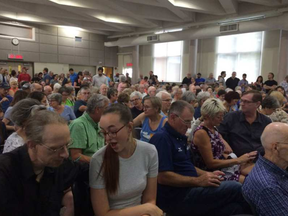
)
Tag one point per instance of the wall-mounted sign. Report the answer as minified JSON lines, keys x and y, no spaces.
{"x":16,"y":57}
{"x":129,"y":64}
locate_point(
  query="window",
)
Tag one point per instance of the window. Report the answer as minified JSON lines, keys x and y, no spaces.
{"x":167,"y":59}
{"x":240,"y":53}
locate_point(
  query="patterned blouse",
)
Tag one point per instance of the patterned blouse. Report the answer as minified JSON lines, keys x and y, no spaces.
{"x":217,"y":145}
{"x":13,"y":141}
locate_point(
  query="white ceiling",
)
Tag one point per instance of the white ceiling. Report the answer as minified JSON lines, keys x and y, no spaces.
{"x":132,"y":17}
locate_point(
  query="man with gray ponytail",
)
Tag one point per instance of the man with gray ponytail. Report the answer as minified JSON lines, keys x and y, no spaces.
{"x":85,"y":130}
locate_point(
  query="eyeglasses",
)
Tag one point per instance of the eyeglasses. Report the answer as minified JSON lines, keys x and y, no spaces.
{"x":146,"y":107}
{"x":285,"y":143}
{"x":186,"y":122}
{"x":136,"y":99}
{"x":167,"y":100}
{"x":53,"y":150}
{"x":246,"y":101}
{"x":111,"y":134}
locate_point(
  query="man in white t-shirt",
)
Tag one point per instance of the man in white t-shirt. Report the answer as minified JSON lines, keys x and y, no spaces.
{"x":99,"y":78}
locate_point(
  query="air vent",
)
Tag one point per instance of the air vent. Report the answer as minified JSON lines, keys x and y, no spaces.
{"x":229,"y":28}
{"x":152,"y":38}
{"x":78,"y":39}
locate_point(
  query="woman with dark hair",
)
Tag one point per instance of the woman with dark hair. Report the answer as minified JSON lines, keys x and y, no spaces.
{"x":66,"y":96}
{"x":13,"y":76}
{"x":54,"y":80}
{"x":19,"y":95}
{"x":40,"y":96}
{"x":151,"y":120}
{"x":259,"y":83}
{"x":230,"y":101}
{"x":123,"y":174}
{"x":124,"y":99}
{"x":78,"y":81}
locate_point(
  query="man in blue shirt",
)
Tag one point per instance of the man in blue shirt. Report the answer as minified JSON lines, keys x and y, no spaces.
{"x":47,"y":78}
{"x":5,"y":99}
{"x":183,"y":189}
{"x":266,"y":187}
{"x":199,"y":80}
{"x":73,"y":76}
{"x":243,"y":83}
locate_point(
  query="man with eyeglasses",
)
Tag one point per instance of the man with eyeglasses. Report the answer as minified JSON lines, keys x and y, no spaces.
{"x":184,"y":189}
{"x":266,"y":187}
{"x":35,"y":177}
{"x":166,"y":102}
{"x":243,"y":129}
{"x":85,"y":130}
{"x":80,"y":105}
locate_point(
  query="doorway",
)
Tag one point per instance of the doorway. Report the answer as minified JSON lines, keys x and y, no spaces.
{"x":17,"y":66}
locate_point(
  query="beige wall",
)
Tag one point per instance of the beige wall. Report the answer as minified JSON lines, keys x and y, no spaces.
{"x":270,"y":54}
{"x":56,"y":68}
{"x":146,"y":59}
{"x":206,"y":57}
{"x":54,"y":47}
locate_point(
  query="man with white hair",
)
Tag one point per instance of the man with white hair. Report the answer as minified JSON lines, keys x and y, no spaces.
{"x":35,"y":87}
{"x":166,"y":102}
{"x":103,"y":89}
{"x":266,"y":187}
{"x":192,"y":88}
{"x":141,"y":89}
{"x":151,"y":91}
{"x":201,"y":98}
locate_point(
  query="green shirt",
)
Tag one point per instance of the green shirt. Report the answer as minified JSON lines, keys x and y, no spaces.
{"x":85,"y":135}
{"x":68,"y":103}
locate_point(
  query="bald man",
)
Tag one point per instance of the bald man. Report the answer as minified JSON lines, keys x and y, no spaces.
{"x":47,"y":90}
{"x":192,"y":88}
{"x":35,"y":87}
{"x":266,"y":187}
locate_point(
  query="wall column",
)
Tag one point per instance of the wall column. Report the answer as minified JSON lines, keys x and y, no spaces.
{"x":193,"y":47}
{"x":135,"y":62}
{"x":283,"y":56}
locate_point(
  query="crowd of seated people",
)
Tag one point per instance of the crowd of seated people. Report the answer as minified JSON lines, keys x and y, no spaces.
{"x":78,"y":144}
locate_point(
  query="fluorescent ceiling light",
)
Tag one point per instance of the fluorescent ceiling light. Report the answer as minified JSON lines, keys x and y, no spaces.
{"x":22,"y":17}
{"x":112,"y":19}
{"x":183,"y":4}
{"x":243,"y":19}
{"x":71,"y":30}
{"x":168,"y":31}
{"x":68,"y":3}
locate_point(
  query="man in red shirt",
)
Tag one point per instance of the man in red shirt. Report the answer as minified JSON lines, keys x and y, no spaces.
{"x":24,"y":76}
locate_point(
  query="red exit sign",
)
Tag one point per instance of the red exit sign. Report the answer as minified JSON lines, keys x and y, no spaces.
{"x":13,"y":56}
{"x":129,"y":64}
